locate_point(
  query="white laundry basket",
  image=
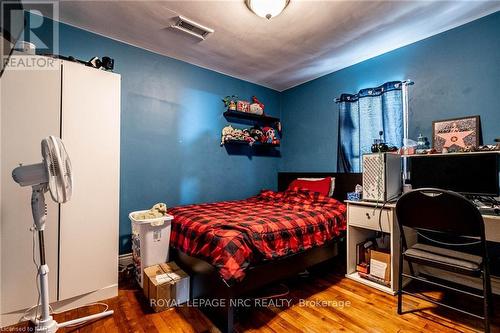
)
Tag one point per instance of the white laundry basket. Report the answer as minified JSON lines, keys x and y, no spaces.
{"x":150,"y":242}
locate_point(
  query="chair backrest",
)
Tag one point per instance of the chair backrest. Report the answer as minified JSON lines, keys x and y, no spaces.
{"x":440,"y":211}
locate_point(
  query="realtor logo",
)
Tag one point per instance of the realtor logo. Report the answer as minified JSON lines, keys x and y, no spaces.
{"x":32,"y":24}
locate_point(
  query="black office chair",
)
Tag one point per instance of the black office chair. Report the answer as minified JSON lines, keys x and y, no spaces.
{"x":434,"y":213}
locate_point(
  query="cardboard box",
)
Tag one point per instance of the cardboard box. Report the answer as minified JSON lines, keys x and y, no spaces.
{"x":380,"y":265}
{"x":165,"y":286}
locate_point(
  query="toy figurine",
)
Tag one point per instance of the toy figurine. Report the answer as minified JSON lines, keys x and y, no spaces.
{"x":230,"y":102}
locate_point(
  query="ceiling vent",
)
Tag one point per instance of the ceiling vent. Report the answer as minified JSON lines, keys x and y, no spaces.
{"x":190,"y":27}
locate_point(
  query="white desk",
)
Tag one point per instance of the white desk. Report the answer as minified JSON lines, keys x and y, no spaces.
{"x":363,"y":222}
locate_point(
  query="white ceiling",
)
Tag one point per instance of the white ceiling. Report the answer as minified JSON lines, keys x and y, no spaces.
{"x":309,"y":39}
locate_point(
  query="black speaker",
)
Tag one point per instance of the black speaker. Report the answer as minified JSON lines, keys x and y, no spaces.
{"x":108,"y":63}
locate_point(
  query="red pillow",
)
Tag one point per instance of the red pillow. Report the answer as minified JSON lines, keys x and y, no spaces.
{"x":320,"y":186}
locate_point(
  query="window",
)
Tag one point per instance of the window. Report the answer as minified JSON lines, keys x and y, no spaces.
{"x":362,"y":116}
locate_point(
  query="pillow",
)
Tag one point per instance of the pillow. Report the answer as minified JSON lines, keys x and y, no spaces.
{"x":332,"y":185}
{"x":321,"y":186}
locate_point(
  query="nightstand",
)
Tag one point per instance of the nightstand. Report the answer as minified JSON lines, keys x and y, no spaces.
{"x":363,"y":223}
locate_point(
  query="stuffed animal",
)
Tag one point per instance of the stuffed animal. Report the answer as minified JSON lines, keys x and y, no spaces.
{"x":248,"y":138}
{"x":227,"y":134}
{"x":256,"y":133}
{"x":270,"y":135}
{"x":256,"y":107}
{"x":235,"y":134}
{"x":238,"y":134}
{"x":255,"y":100}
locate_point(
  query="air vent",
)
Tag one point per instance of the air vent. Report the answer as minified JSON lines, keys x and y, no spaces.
{"x":194,"y":29}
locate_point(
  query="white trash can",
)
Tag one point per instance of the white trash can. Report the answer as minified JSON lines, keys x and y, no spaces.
{"x":150,"y":242}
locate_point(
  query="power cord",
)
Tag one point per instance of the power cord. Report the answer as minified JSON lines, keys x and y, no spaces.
{"x":106,"y":307}
{"x":380,"y":216}
{"x":37,"y":266}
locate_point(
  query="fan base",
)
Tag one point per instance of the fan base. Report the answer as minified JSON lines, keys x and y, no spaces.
{"x":46,"y":326}
{"x":51,"y":326}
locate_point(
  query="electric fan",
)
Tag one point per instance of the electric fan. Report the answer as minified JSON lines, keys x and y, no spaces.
{"x":54,"y":175}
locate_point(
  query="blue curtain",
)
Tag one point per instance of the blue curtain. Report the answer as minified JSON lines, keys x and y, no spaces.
{"x":362,"y":116}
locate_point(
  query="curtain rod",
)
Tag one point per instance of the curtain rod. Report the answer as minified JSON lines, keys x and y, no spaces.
{"x":406,"y":82}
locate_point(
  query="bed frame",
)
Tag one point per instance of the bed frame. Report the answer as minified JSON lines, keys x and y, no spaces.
{"x":205,"y":283}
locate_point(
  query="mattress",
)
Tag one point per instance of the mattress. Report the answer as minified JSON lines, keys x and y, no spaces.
{"x":233,"y":235}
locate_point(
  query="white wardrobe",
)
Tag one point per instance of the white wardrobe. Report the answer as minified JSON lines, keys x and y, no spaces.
{"x":82,"y":106}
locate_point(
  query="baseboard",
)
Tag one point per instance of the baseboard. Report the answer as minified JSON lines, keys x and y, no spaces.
{"x":125,"y":259}
{"x":11,"y":318}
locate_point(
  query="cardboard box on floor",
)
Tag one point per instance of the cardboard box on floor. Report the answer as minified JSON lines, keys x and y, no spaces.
{"x":165,"y":286}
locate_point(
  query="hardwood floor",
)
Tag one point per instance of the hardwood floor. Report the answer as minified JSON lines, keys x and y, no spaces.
{"x":348,"y":307}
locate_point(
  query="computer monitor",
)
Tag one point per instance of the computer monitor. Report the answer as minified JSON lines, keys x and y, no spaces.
{"x":466,"y":173}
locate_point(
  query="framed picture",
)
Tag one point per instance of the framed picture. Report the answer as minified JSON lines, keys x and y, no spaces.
{"x":456,"y":134}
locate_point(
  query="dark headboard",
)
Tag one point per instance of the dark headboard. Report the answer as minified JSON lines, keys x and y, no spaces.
{"x":344,"y":182}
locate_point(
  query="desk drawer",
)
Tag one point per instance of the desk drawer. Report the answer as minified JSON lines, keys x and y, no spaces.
{"x":368,"y":217}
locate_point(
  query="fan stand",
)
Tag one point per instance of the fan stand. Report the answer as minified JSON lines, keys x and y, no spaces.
{"x":46,"y":324}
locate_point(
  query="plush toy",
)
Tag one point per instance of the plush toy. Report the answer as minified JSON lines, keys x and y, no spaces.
{"x":227,"y":134}
{"x":252,"y":135}
{"x":248,"y":138}
{"x":270,"y":135}
{"x":235,"y":134}
{"x":256,"y":101}
{"x":238,"y":134}
{"x":256,"y":107}
{"x":256,"y":134}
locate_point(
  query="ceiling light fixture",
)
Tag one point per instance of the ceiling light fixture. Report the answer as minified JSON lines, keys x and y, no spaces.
{"x":267,"y":8}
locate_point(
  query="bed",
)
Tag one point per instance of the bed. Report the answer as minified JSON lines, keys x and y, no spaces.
{"x":233,"y":248}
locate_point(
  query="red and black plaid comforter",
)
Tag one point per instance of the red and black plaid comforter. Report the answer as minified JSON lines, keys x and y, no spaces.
{"x":232,"y":235}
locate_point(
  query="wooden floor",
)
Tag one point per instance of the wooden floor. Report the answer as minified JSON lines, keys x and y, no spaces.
{"x":367,"y":311}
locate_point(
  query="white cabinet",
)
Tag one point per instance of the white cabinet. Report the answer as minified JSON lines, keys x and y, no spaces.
{"x":30,"y":111}
{"x":82,"y":106}
{"x":91,"y":134}
{"x":364,"y":219}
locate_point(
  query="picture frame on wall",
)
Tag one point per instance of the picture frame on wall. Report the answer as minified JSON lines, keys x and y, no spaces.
{"x":456,"y":134}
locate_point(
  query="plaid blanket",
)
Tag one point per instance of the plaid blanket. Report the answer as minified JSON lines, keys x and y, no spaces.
{"x":232,"y":235}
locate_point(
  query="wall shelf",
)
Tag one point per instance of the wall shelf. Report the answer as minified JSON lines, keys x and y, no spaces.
{"x":255,"y":144}
{"x":237,"y":115}
{"x":242,"y":147}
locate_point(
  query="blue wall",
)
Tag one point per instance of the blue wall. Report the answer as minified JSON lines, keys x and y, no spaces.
{"x":456,"y":74}
{"x":171,"y":120}
{"x":172,"y":114}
